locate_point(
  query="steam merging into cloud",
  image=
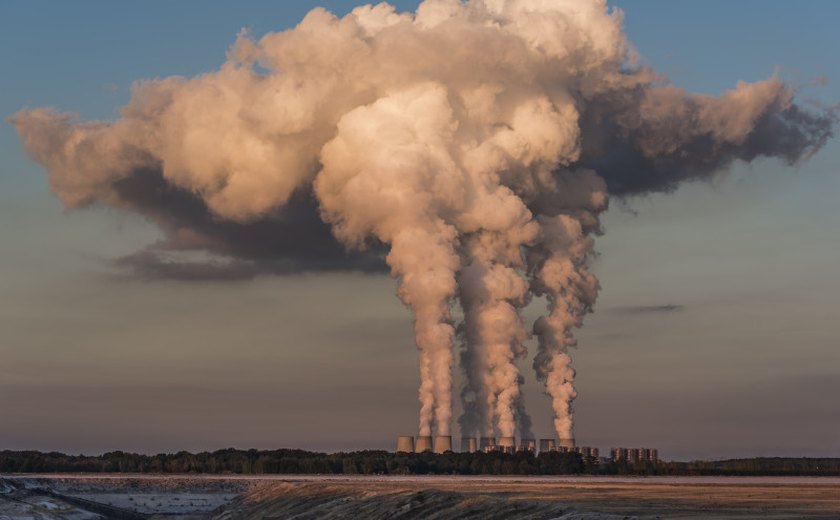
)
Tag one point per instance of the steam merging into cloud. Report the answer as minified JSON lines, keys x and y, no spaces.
{"x":471,"y":145}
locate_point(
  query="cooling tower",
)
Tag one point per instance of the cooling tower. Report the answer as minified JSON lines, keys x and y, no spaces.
{"x":468,"y":444}
{"x":528,"y":445}
{"x":405,"y":443}
{"x":568,"y":444}
{"x":547,"y":445}
{"x":507,"y":444}
{"x":424,"y":443}
{"x":443,"y":443}
{"x":487,"y":442}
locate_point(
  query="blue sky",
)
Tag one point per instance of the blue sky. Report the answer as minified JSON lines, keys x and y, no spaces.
{"x":745,"y":361}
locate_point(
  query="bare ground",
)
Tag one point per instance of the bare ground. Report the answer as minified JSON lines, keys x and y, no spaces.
{"x":540,"y":499}
{"x":441,"y":498}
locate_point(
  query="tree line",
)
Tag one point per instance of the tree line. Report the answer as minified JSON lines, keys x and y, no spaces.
{"x":290,"y":461}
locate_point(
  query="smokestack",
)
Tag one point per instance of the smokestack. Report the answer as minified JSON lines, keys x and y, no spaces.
{"x":496,"y":181}
{"x":547,"y":445}
{"x":507,"y":444}
{"x":443,"y":443}
{"x":487,"y":442}
{"x":468,"y":444}
{"x":424,"y":443}
{"x":405,"y":444}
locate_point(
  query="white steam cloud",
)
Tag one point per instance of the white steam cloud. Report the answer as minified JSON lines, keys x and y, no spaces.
{"x":476,"y":142}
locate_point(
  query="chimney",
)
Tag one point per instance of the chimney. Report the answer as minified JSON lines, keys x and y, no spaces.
{"x":405,"y":444}
{"x":424,"y":443}
{"x":443,"y":443}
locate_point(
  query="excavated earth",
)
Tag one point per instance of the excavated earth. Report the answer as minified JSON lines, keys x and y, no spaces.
{"x":130,"y":497}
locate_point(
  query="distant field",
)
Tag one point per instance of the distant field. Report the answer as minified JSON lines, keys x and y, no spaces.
{"x":442,"y":497}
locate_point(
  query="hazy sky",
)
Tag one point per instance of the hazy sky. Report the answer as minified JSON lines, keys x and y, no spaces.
{"x":716,"y":332}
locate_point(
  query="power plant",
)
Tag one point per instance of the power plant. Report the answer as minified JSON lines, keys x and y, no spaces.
{"x":587,"y":452}
{"x":424,"y":443}
{"x":443,"y":444}
{"x":566,"y":444}
{"x":405,"y":444}
{"x":634,"y":455}
{"x":528,"y":445}
{"x":507,"y":445}
{"x":468,"y":445}
{"x":487,"y":444}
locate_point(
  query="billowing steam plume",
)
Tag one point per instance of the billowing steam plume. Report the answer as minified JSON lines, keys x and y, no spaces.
{"x":473,"y":143}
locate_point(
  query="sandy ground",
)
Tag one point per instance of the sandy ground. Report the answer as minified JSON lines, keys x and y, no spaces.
{"x":443,"y":497}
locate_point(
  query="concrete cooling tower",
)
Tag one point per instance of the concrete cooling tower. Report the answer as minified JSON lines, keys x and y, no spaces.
{"x":547,"y":445}
{"x":468,"y":445}
{"x":487,"y":443}
{"x":443,"y":443}
{"x":507,"y":444}
{"x":424,"y":443}
{"x":566,"y":444}
{"x":405,"y":444}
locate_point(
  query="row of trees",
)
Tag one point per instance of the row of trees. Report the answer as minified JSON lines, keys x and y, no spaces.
{"x":296,"y":462}
{"x":769,"y":466}
{"x":231,"y":461}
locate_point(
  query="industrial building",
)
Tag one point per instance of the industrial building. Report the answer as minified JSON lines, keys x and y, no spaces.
{"x":507,"y":445}
{"x":486,"y":444}
{"x":587,"y":452}
{"x":567,"y":444}
{"x":528,"y":445}
{"x":443,"y":444}
{"x":405,"y":444}
{"x":634,"y":455}
{"x":424,"y":443}
{"x":468,"y":445}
